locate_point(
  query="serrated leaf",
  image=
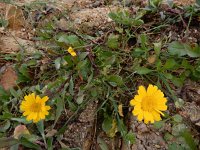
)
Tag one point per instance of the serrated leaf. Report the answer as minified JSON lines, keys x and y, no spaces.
{"x":179,"y":103}
{"x":158,"y":124}
{"x":177,"y":118}
{"x":177,"y":129}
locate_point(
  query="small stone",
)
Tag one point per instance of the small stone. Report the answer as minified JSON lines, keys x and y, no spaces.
{"x":142,"y":128}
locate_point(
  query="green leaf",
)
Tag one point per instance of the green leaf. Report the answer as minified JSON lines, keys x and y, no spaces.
{"x":49,"y":143}
{"x":158,"y":124}
{"x":143,"y":40}
{"x":124,"y":18}
{"x":177,"y":48}
{"x":102,"y":144}
{"x":122,"y":127}
{"x":170,"y":63}
{"x":107,"y":124}
{"x":81,"y":64}
{"x":175,"y":146}
{"x":181,"y":49}
{"x":168,"y":136}
{"x":24,"y":71}
{"x":4,"y":96}
{"x":179,"y":103}
{"x":32,"y":62}
{"x":4,"y":125}
{"x":157,"y":48}
{"x":192,"y":51}
{"x":177,"y":118}
{"x":177,"y":81}
{"x":143,"y":70}
{"x":14,"y":93}
{"x":130,"y":138}
{"x":113,"y":41}
{"x":177,"y":129}
{"x":21,"y":120}
{"x":115,"y":80}
{"x":71,"y":86}
{"x":59,"y":108}
{"x":83,"y":55}
{"x":6,"y":115}
{"x":25,"y":142}
{"x":189,"y":140}
{"x":72,"y":40}
{"x":110,"y":60}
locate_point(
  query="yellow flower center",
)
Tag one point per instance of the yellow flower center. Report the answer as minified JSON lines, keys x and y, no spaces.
{"x":148,"y":103}
{"x":36,"y":107}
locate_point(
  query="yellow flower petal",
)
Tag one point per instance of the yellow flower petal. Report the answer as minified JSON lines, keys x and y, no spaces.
{"x":34,"y":108}
{"x":133,"y":102}
{"x":71,"y":51}
{"x":142,"y":91}
{"x":156,"y":116}
{"x":151,"y":90}
{"x":44,"y":99}
{"x":136,"y":112}
{"x":140,"y":116}
{"x":148,"y":104}
{"x":162,"y":107}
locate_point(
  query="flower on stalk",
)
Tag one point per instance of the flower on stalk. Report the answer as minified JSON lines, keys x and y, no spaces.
{"x":71,"y":51}
{"x":34,"y":107}
{"x":148,"y":104}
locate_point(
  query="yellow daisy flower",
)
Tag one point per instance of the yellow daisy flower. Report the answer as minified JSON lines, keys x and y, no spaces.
{"x":34,"y":107}
{"x":148,"y":104}
{"x":71,"y":51}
